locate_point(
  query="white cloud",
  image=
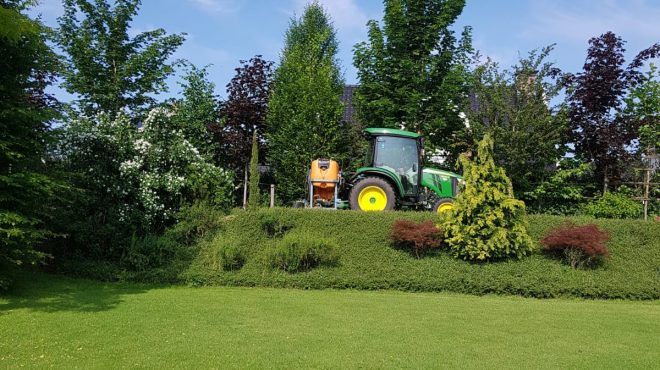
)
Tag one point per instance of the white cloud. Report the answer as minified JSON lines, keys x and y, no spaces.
{"x":217,"y":6}
{"x":578,"y":21}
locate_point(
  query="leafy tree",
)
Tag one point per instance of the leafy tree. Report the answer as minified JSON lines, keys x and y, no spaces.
{"x":304,"y":111}
{"x":412,"y":70}
{"x":198,"y":110}
{"x":244,"y":112}
{"x":487,"y":221}
{"x":27,"y":66}
{"x":600,"y":133}
{"x":108,"y":69}
{"x":513,"y":106}
{"x":643,"y":109}
{"x":253,"y":200}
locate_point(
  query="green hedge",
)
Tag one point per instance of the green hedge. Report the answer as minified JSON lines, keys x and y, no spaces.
{"x":369,"y":261}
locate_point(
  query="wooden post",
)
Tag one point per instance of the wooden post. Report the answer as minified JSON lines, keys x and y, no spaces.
{"x":272,"y":195}
{"x":647,"y":180}
{"x":245,"y":186}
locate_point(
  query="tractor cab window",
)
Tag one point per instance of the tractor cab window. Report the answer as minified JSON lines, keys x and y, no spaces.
{"x":401,"y":156}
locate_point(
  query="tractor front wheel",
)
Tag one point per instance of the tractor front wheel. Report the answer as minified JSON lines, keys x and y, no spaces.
{"x":443,"y":205}
{"x":372,"y":194}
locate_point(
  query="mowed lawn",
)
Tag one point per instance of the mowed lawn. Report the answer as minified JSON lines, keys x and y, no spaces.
{"x":65,"y":323}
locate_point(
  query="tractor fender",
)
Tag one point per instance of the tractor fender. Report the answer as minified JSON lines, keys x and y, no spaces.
{"x":387,"y":175}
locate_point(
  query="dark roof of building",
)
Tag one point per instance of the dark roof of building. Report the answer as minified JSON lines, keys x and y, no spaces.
{"x":347,"y":100}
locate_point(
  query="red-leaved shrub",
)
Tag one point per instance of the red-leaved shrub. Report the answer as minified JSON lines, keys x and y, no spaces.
{"x":418,"y":237}
{"x":581,"y":245}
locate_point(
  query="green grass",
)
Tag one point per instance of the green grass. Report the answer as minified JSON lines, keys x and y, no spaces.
{"x":367,"y":259}
{"x":66,"y":323}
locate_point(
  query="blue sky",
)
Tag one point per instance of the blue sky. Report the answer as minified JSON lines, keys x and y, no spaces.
{"x":221,"y":32}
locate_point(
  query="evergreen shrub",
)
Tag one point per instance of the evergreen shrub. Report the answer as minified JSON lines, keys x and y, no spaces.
{"x":486,"y":222}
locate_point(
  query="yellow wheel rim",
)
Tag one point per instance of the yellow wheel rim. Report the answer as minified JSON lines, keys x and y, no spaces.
{"x":444,"y":207}
{"x":372,"y":198}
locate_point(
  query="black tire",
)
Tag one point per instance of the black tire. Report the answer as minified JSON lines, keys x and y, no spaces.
{"x":442,"y":201}
{"x":376,"y":182}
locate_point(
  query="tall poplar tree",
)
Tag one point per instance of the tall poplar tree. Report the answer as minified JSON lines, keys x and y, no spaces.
{"x":304,"y":111}
{"x":412,"y":69}
{"x":107,"y":68}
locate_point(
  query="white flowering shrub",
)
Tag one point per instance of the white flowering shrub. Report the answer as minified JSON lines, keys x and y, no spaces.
{"x":167,"y":171}
{"x":134,"y":180}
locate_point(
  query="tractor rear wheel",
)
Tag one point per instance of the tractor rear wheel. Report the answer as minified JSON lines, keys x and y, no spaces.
{"x":443,"y":205}
{"x":372,"y":194}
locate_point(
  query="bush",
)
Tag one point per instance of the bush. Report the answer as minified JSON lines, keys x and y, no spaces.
{"x":230,"y":257}
{"x":418,"y":237}
{"x":128,"y":180}
{"x":303,"y":252}
{"x":579,"y":245}
{"x":613,"y":205}
{"x":563,"y":193}
{"x":195,"y":222}
{"x":486,"y":222}
{"x":273,"y":225}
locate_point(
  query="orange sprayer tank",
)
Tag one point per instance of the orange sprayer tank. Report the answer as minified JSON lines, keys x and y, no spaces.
{"x":324,"y":169}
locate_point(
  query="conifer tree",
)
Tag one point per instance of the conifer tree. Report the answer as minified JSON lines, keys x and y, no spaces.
{"x":304,"y":111}
{"x":487,"y":222}
{"x":253,"y":200}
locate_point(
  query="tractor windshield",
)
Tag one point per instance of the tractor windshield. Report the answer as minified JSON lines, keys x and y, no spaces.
{"x":401,"y":156}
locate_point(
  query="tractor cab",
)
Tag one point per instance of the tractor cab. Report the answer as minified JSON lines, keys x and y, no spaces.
{"x":398,"y":153}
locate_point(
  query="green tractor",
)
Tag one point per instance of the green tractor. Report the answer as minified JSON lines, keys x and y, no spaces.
{"x":392,"y":177}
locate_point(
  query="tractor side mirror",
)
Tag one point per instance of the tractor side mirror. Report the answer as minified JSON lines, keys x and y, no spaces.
{"x":414,"y":169}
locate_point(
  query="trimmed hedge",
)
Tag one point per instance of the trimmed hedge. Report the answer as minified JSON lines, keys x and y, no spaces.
{"x":370,"y":261}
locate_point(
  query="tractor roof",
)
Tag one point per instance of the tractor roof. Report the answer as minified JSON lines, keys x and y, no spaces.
{"x":390,"y":132}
